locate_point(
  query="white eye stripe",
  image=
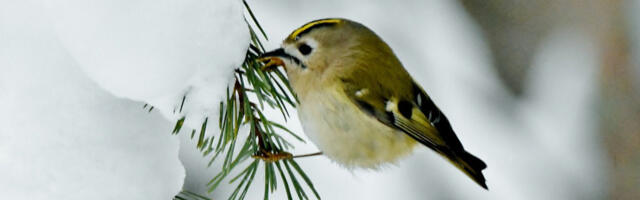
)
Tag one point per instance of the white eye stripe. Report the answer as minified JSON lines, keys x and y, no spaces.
{"x":312,"y":43}
{"x":419,"y":100}
{"x":293,"y":48}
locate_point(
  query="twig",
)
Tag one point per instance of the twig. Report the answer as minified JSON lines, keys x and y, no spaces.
{"x":308,"y":155}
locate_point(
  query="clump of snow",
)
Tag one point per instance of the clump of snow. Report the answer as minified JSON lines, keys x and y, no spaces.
{"x":64,"y":137}
{"x":157,"y":51}
{"x":65,"y":134}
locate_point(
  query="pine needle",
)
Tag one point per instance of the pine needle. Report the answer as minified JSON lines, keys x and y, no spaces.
{"x":264,"y":138}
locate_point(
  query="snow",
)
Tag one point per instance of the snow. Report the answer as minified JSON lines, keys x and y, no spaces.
{"x":157,"y":51}
{"x":75,"y":75}
{"x":62,"y":136}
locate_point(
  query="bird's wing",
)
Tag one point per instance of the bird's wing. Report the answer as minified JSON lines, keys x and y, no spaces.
{"x":415,"y":114}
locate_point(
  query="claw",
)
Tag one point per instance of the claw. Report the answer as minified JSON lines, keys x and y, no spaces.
{"x":271,"y":63}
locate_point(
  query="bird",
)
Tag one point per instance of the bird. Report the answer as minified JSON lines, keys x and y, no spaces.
{"x":356,"y":101}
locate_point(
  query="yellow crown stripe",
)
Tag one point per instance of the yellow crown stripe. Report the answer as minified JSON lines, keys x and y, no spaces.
{"x":312,"y":24}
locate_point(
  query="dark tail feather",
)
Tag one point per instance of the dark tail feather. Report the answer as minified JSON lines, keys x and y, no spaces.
{"x":472,"y":166}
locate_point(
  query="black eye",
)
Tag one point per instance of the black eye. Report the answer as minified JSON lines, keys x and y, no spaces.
{"x":304,"y":49}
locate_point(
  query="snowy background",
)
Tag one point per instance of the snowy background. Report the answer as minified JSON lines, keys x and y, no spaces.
{"x":75,"y":74}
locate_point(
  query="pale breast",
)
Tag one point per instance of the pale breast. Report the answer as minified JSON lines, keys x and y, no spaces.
{"x":347,"y":135}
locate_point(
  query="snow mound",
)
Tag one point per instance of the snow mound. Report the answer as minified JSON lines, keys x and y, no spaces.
{"x":61,"y":135}
{"x":157,"y":51}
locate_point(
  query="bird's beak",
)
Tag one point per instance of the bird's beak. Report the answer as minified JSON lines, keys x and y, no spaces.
{"x":273,"y":59}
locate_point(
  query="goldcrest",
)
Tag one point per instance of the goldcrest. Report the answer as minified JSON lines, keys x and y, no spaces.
{"x":358,"y":104}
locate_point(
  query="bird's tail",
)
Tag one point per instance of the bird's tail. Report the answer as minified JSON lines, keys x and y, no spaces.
{"x":470,"y":165}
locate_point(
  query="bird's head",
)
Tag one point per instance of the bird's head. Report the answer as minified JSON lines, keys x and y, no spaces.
{"x":323,"y":44}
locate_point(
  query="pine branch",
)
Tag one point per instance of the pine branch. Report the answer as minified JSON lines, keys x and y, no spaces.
{"x":264,"y":144}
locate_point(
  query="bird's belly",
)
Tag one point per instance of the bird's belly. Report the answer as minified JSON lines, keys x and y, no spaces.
{"x":349,"y":136}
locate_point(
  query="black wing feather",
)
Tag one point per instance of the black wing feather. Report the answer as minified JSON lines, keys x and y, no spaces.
{"x":437,"y":118}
